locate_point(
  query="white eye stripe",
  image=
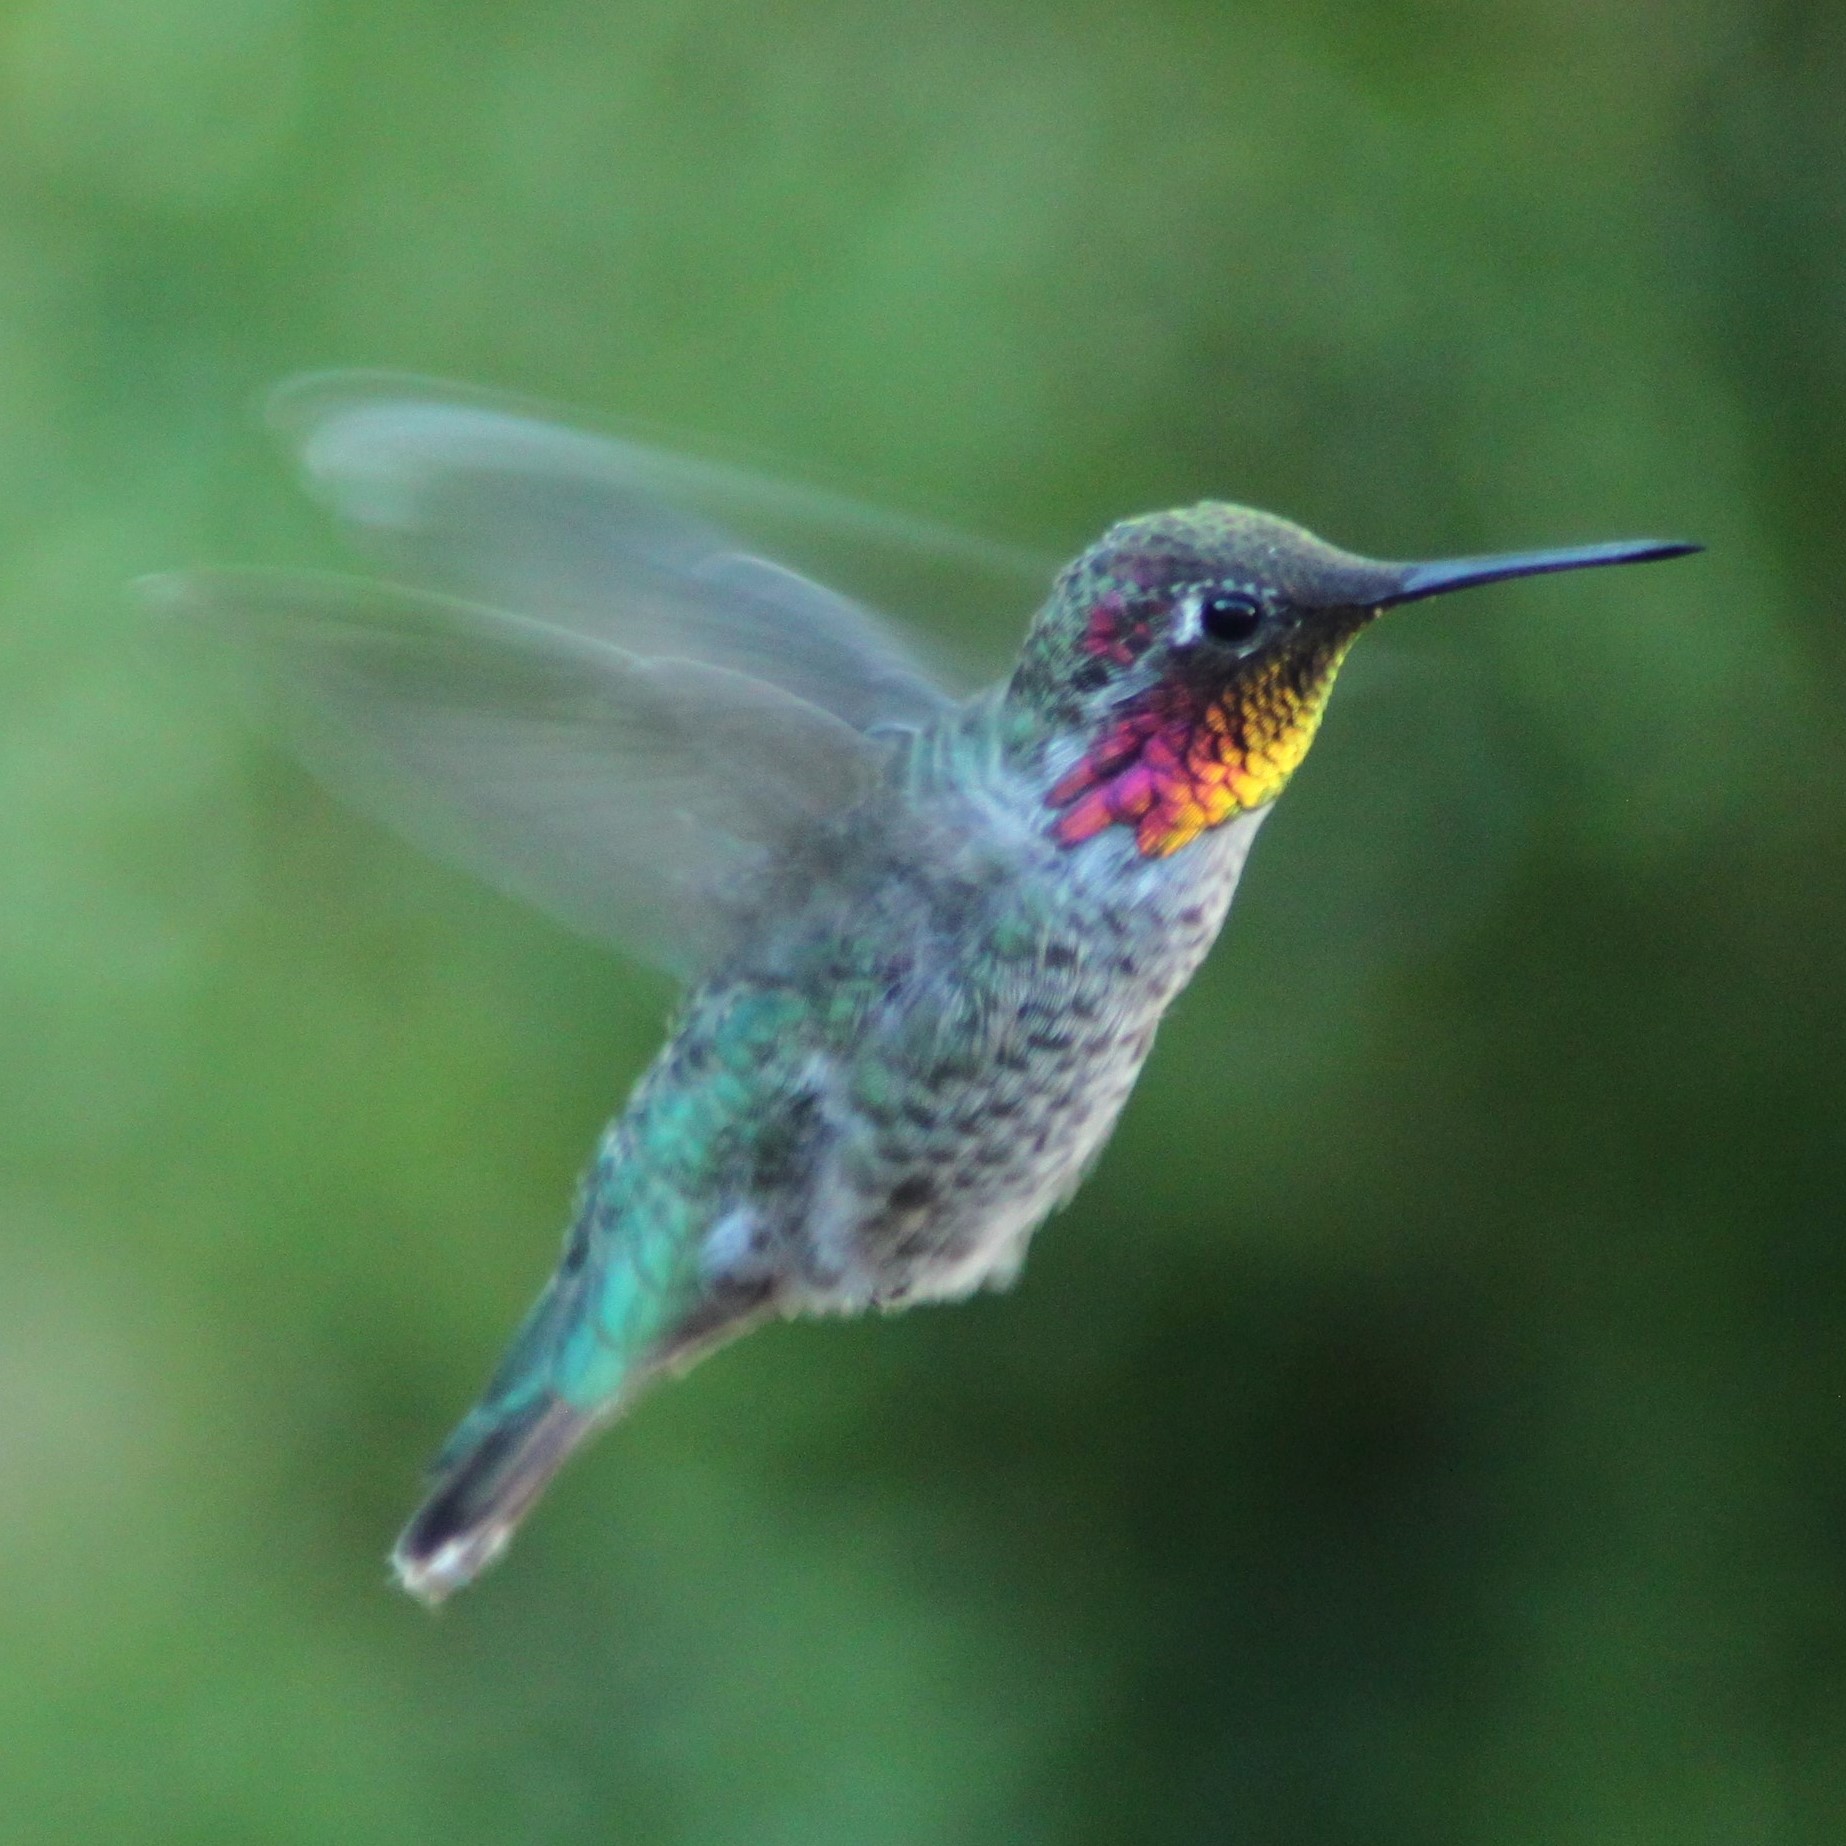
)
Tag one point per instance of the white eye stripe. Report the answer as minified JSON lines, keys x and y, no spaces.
{"x":1189,"y":618}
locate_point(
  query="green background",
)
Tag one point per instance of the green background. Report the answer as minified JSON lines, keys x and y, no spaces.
{"x":1430,"y":1423}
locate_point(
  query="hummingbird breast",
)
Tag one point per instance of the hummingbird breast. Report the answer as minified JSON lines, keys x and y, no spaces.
{"x":967,"y":1007}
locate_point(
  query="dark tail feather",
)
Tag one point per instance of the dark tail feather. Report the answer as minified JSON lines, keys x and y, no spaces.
{"x":483,"y":1489}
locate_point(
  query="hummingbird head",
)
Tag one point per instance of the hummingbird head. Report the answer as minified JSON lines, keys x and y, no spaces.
{"x":1187,"y":658}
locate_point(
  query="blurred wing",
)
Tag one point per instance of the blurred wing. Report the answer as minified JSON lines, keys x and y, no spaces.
{"x":482,"y":501}
{"x":630,"y":798}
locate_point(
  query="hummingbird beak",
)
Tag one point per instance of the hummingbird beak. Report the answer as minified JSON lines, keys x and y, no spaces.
{"x":1416,"y":581}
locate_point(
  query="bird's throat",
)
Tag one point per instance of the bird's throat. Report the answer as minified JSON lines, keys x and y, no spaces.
{"x":1180,"y":758}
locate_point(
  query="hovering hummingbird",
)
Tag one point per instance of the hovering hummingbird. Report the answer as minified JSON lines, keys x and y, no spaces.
{"x":928,"y":939}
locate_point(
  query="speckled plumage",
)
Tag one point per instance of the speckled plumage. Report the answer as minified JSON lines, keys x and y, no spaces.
{"x":880,"y":1096}
{"x":931,"y":940}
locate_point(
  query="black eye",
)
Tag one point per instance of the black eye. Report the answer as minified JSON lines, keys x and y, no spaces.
{"x":1230,"y":617}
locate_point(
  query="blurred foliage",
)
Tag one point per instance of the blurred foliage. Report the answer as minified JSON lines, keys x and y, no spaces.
{"x":1427,"y":1427}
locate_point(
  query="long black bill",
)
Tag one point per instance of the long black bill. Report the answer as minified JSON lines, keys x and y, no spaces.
{"x":1419,"y":580}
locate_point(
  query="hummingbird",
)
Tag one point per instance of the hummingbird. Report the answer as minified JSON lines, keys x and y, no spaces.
{"x":926,"y":939}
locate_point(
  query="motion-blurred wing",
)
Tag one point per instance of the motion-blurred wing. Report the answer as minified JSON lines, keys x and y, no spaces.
{"x":630,"y":798}
{"x":481,"y":501}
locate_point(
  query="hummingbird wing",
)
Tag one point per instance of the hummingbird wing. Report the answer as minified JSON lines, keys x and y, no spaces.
{"x":631,"y":798}
{"x":468,"y":496}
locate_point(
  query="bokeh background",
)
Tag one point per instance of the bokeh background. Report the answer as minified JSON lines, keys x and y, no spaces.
{"x":1430,"y":1423}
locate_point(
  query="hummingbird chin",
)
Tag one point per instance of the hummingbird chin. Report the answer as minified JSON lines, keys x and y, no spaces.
{"x":927,"y":939}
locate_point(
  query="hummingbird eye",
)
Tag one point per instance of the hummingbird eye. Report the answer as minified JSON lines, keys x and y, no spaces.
{"x":1231,"y":617}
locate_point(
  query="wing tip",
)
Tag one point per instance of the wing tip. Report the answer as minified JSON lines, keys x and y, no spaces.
{"x":370,"y":444}
{"x":304,"y":401}
{"x":173,"y":596}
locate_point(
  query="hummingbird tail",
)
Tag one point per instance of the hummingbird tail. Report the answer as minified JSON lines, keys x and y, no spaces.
{"x":483,"y":1489}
